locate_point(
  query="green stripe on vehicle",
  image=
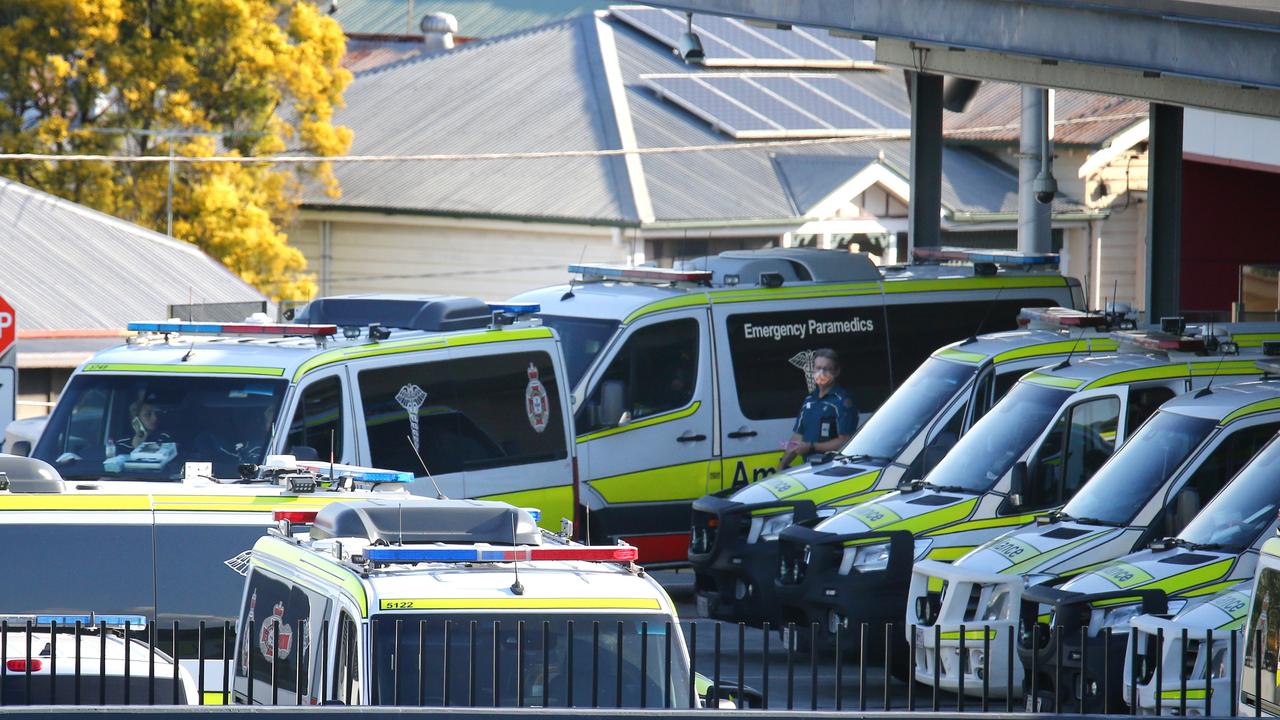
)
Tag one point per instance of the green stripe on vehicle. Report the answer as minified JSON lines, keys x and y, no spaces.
{"x":1178,"y":694}
{"x":642,"y":423}
{"x":1251,"y":409}
{"x":669,"y":484}
{"x":969,"y":635}
{"x":1011,"y":521}
{"x":1052,"y":380}
{"x":876,"y":517}
{"x":1169,"y":372}
{"x":1044,"y":557}
{"x":973,"y":283}
{"x":1064,"y":347}
{"x":672,"y":303}
{"x":185,"y":369}
{"x":396,"y":347}
{"x":960,"y":356}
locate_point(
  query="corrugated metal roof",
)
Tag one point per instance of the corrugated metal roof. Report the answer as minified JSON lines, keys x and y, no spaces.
{"x":65,"y":266}
{"x":995,"y":115}
{"x":476,"y":18}
{"x":544,"y":90}
{"x":539,"y":90}
{"x":365,"y":54}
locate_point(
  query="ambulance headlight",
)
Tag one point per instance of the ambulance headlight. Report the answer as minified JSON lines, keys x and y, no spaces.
{"x":1117,"y":618}
{"x":998,"y":606}
{"x":921,"y":547}
{"x":870,"y":558}
{"x":768,"y":528}
{"x":1035,"y":579}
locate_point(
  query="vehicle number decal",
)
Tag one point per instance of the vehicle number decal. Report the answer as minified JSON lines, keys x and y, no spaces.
{"x":874,"y":516}
{"x":398,"y":604}
{"x":1234,"y":604}
{"x":1013,"y":550}
{"x":783,"y":486}
{"x":1124,"y":575}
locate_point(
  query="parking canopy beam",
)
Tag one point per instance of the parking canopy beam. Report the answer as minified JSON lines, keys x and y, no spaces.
{"x":925,"y":223}
{"x":1164,"y":212}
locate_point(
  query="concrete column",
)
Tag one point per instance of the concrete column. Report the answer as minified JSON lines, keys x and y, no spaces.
{"x":1164,"y":212}
{"x":925,"y":218}
{"x":1034,"y":229}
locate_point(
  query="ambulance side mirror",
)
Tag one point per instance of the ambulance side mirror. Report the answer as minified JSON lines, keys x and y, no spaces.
{"x":1017,"y":481}
{"x":21,"y":447}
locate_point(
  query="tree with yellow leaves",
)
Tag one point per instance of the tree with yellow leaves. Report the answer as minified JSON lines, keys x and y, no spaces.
{"x":191,"y":77}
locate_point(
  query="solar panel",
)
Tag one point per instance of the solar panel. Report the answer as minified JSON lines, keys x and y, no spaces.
{"x":782,"y":105}
{"x":730,"y":42}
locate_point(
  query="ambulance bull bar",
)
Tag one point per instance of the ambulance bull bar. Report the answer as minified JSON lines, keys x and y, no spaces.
{"x":735,"y":577}
{"x":1176,"y":669}
{"x":955,"y":646}
{"x":1064,"y":668}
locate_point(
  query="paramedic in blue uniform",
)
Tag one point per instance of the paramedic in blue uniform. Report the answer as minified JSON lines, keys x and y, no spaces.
{"x":828,"y":417}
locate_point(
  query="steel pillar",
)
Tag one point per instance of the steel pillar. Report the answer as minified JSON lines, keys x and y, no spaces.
{"x":925,"y":223}
{"x":1164,"y":211}
{"x":1034,"y":231}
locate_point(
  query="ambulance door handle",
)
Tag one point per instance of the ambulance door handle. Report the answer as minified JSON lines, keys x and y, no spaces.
{"x":742,"y":434}
{"x":691,"y":438}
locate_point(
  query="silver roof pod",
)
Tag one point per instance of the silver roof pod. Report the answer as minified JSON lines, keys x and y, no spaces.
{"x":423,"y":520}
{"x":744,"y":267}
{"x":28,"y":475}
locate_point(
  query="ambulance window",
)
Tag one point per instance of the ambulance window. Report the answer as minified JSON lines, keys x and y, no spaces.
{"x":346,"y":673}
{"x":1143,"y":402}
{"x":467,"y":414}
{"x":317,"y":419}
{"x":917,"y":329}
{"x":271,"y":632}
{"x":1080,"y":442}
{"x":1224,"y":461}
{"x":655,"y":371}
{"x":772,"y":356}
{"x":1264,"y":620}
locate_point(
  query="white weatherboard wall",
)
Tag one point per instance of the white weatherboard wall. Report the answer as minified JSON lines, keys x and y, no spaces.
{"x":491,"y":260}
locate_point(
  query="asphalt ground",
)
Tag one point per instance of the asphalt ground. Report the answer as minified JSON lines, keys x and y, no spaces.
{"x":814,"y":682}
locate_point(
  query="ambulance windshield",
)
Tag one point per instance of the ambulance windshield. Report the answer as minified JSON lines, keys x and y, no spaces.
{"x":911,"y":406}
{"x":542,"y":658}
{"x":1128,"y":480}
{"x":134,"y":427}
{"x":985,"y":453}
{"x":581,"y":339}
{"x":1247,"y":506}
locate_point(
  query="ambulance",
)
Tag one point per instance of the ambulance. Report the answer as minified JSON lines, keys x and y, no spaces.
{"x":1151,"y":488}
{"x":733,"y":542}
{"x":1215,"y":551}
{"x":1025,"y":458}
{"x":86,"y":660}
{"x":164,"y":552}
{"x":469,"y":398}
{"x":1259,"y":685}
{"x":414,"y":602}
{"x":1210,"y":682}
{"x":686,"y":381}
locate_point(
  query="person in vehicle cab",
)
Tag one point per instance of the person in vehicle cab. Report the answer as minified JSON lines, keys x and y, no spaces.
{"x":144,"y":422}
{"x":827,"y":418}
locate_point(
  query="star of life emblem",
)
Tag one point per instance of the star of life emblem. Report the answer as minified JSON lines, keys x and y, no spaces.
{"x":411,"y":398}
{"x":536,"y":406}
{"x":268,"y":634}
{"x":804,"y":361}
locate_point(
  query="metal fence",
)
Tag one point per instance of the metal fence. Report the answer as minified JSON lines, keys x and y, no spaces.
{"x":505,"y":664}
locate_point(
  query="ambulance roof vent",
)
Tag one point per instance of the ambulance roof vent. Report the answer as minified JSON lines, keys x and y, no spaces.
{"x":430,"y":313}
{"x":423,"y":520}
{"x":745,"y":267}
{"x":28,"y":475}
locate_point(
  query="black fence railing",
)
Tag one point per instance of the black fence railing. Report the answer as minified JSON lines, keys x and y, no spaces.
{"x":1154,"y":667}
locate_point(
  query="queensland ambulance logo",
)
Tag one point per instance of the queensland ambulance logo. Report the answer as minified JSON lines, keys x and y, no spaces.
{"x":536,"y":406}
{"x":267,"y":636}
{"x":411,"y":398}
{"x":804,"y":361}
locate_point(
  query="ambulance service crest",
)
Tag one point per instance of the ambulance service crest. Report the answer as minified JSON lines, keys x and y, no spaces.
{"x":267,"y":635}
{"x":536,"y":405}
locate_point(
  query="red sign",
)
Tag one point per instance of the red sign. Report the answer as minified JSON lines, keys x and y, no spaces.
{"x":8,"y":328}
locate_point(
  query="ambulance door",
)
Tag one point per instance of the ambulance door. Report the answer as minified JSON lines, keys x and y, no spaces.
{"x":646,"y":433}
{"x":510,"y":407}
{"x":764,"y":354}
{"x":408,"y":420}
{"x":316,"y":423}
{"x":1081,"y":438}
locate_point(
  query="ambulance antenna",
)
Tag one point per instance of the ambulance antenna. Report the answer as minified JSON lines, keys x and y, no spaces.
{"x":1208,"y":388}
{"x":439,"y":495}
{"x":582,"y":256}
{"x":330,"y":457}
{"x":516,"y":587}
{"x":985,"y":314}
{"x":400,"y":538}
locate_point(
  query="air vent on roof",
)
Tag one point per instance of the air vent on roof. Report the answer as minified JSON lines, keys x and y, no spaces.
{"x":745,"y":267}
{"x":841,"y":471}
{"x":1187,"y":559}
{"x":1065,"y":533}
{"x":427,"y":521}
{"x":933,"y":500}
{"x":432,"y":313}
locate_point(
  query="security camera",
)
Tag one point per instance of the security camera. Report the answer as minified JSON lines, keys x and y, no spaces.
{"x":691,"y":48}
{"x":1045,"y":188}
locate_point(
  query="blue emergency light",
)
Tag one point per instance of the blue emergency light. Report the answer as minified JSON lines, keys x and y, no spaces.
{"x":85,"y":620}
{"x":597,"y":553}
{"x":205,"y":328}
{"x":535,"y":513}
{"x":358,"y":473}
{"x":515,"y":308}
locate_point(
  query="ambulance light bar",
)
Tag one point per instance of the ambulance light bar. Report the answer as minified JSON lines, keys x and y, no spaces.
{"x":360,"y":474}
{"x":85,"y":620}
{"x":295,"y":516}
{"x":1060,"y":316}
{"x":590,"y":553}
{"x":986,"y":256}
{"x":641,"y":274}
{"x":204,"y":328}
{"x":1160,"y":341}
{"x":1268,"y":367}
{"x":516,"y":309}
